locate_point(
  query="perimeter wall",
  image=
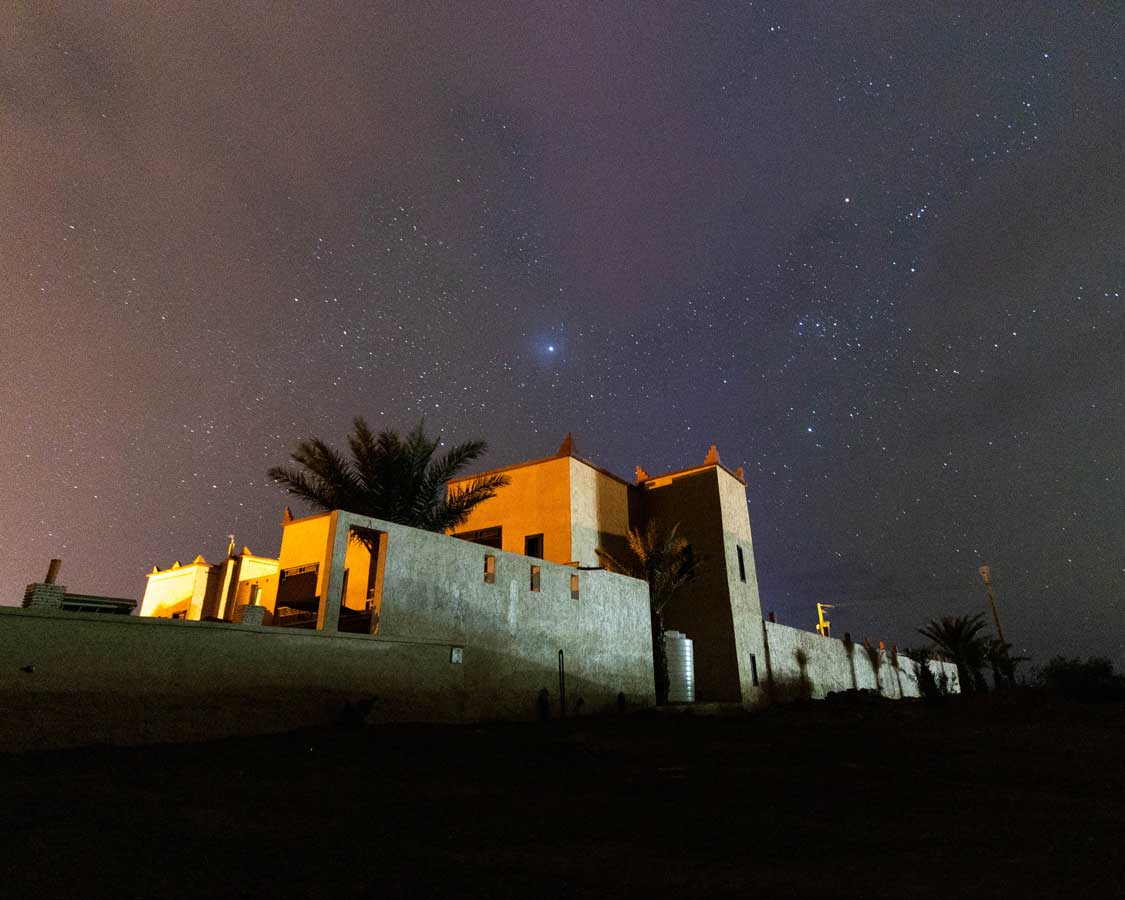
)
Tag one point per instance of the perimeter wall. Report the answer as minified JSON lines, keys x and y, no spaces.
{"x":804,"y":665}
{"x":69,"y":679}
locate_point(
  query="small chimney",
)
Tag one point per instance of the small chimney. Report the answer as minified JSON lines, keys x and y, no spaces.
{"x":53,"y":571}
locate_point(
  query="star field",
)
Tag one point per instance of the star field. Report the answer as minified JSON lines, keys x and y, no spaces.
{"x":875,"y":254}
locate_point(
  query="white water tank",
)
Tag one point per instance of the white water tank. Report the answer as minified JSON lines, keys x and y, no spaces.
{"x":681,"y":667}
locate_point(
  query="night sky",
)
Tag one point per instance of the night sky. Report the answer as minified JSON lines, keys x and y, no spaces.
{"x":874,"y":251}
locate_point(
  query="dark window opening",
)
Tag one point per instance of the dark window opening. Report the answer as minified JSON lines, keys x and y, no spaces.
{"x":573,"y":587}
{"x":754,"y":669}
{"x":741,"y":565}
{"x":489,"y":569}
{"x":535,"y":578}
{"x":486,"y":537}
{"x":533,"y":546}
{"x":297,"y":600}
{"x":297,"y":587}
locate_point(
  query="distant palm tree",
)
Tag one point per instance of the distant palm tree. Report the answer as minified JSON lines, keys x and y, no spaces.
{"x":959,"y":638}
{"x":663,"y":559}
{"x":389,"y":477}
{"x":927,"y":684}
{"x":999,"y":656}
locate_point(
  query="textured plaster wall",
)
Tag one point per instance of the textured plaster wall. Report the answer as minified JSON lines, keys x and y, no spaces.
{"x":267,"y":585}
{"x":198,"y":589}
{"x":176,"y":590}
{"x":703,"y":608}
{"x":802,"y":664}
{"x":536,"y":502}
{"x":599,"y":513}
{"x":434,"y":589}
{"x":256,"y":567}
{"x":746,"y":606}
{"x":305,"y":541}
{"x":116,"y":679}
{"x":301,"y":539}
{"x":235,"y":574}
{"x":132,"y":680}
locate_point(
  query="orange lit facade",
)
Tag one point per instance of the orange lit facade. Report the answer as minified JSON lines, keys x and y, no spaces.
{"x":287,"y":588}
{"x":562,"y":507}
{"x":293,"y":597}
{"x":201,"y":590}
{"x":558,"y":509}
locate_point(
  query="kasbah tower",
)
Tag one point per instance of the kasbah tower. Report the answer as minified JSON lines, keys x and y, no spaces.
{"x":560,"y":508}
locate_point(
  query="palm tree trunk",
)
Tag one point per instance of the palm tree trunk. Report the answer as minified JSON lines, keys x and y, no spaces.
{"x":968,"y":685}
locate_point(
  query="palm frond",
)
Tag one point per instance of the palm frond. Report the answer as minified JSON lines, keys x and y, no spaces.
{"x":388,"y":477}
{"x":612,"y":564}
{"x":659,"y":556}
{"x":309,"y":488}
{"x":461,"y":502}
{"x":441,"y":471}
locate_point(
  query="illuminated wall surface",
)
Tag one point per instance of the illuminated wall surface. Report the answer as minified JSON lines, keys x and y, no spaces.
{"x":536,"y":502}
{"x":573,"y":504}
{"x":200,"y":590}
{"x":578,"y":507}
{"x":560,"y":509}
{"x":804,"y":665}
{"x":459,"y":640}
{"x":305,"y":542}
{"x":427,"y":627}
{"x":178,"y":591}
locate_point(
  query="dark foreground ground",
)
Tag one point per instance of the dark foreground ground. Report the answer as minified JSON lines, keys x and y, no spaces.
{"x":1003,"y":798}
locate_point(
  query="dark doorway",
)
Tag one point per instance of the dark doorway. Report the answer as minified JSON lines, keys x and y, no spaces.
{"x":361,"y":603}
{"x":297,"y":600}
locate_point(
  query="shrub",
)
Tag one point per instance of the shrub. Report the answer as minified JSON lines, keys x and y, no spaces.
{"x":927,"y":684}
{"x":1091,"y":679}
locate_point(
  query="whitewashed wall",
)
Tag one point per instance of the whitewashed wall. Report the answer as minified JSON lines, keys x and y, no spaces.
{"x":802,"y":664}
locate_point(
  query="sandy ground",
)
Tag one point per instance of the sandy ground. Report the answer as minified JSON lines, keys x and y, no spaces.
{"x":1006,"y":797}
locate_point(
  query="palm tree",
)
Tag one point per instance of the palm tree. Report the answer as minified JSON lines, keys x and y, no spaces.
{"x":663,"y":559}
{"x":927,"y":683}
{"x":959,"y":637}
{"x":389,"y":477}
{"x":1003,"y":664}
